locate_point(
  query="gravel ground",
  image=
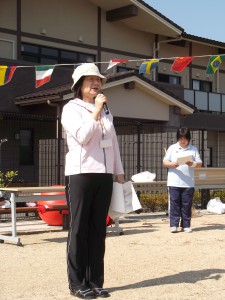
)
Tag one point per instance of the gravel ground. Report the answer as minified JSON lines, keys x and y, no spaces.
{"x":147,"y":262}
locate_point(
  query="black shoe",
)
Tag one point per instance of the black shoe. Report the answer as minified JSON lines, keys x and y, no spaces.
{"x":84,"y":294}
{"x":100,"y":292}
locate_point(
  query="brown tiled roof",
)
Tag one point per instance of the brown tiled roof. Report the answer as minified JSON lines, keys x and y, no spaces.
{"x":53,"y":91}
{"x":56,"y":94}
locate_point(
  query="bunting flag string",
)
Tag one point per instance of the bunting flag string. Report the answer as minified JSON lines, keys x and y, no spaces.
{"x":148,"y":66}
{"x":214,"y":63}
{"x":43,"y":73}
{"x":115,"y":62}
{"x":6,"y":74}
{"x":181,"y":63}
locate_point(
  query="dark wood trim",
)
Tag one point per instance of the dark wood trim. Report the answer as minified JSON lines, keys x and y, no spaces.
{"x":18,"y":21}
{"x":9,"y":31}
{"x":99,"y":34}
{"x":97,"y":48}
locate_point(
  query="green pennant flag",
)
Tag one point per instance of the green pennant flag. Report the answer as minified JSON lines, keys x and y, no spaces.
{"x":214,"y":63}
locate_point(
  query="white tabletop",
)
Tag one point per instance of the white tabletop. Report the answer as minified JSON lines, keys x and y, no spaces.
{"x":38,"y":189}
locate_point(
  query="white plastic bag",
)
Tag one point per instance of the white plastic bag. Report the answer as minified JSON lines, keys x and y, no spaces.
{"x":124,"y":199}
{"x":6,"y":204}
{"x":216,"y":206}
{"x":143,"y":177}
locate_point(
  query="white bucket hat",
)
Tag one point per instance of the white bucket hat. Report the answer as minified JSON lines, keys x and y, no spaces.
{"x":86,"y":69}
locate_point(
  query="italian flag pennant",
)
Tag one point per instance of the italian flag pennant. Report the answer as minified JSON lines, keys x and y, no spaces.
{"x":43,"y":75}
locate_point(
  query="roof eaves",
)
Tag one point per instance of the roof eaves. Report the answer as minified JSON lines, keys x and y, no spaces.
{"x":160,"y":15}
{"x":202,"y":40}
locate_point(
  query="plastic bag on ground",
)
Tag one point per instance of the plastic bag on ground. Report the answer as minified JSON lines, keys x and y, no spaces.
{"x":6,"y":204}
{"x":216,"y":206}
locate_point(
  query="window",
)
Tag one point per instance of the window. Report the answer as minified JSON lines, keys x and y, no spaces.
{"x":200,"y":85}
{"x":169,"y":79}
{"x":51,"y":56}
{"x":26,"y":147}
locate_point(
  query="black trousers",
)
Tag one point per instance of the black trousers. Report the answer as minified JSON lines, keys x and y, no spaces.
{"x":88,"y":197}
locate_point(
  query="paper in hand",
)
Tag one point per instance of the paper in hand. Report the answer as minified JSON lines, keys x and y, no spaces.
{"x":182,"y":159}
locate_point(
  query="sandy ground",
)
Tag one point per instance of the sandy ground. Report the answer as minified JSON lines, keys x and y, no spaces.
{"x":147,"y":262}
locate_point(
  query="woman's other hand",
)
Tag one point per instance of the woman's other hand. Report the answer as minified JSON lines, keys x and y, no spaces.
{"x":120,"y":178}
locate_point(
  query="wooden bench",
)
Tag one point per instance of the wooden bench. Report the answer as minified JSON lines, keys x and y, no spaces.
{"x":209,"y":177}
{"x":62,"y":208}
{"x":35,"y":194}
{"x":206,"y":179}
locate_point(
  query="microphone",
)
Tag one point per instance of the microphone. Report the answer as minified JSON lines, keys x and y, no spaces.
{"x":105,"y":107}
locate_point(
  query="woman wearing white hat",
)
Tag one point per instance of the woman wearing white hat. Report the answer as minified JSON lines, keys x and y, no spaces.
{"x":91,"y":162}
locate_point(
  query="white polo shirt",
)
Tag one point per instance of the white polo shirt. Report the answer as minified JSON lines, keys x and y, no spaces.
{"x":182,"y":176}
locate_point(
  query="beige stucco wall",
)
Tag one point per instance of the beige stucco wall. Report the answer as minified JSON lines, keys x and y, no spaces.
{"x":135,"y":104}
{"x":8,"y":14}
{"x":116,"y":35}
{"x":199,"y":64}
{"x":61,"y":20}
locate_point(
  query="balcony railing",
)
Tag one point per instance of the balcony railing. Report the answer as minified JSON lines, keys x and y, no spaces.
{"x":204,"y":101}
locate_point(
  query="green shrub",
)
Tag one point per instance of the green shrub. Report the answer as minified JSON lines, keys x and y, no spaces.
{"x":218,"y":193}
{"x":158,"y":201}
{"x":7,"y":178}
{"x":154,"y":202}
{"x":197,"y":199}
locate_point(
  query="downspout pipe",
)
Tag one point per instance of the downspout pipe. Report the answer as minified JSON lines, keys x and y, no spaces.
{"x":156,"y":47}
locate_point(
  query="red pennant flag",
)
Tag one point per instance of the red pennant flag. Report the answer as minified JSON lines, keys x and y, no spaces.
{"x":115,"y":62}
{"x":181,"y":63}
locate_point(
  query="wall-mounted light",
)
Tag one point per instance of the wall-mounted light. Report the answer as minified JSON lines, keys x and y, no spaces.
{"x":43,"y":31}
{"x":80,"y":39}
{"x":164,"y":69}
{"x":197,"y":75}
{"x":129,"y":85}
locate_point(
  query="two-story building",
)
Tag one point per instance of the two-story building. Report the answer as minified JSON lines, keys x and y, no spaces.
{"x":147,"y":108}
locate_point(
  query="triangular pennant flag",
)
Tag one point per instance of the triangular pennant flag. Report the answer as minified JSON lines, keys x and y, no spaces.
{"x":148,"y":65}
{"x":115,"y":62}
{"x":214,"y":63}
{"x":43,"y":74}
{"x":6,"y":74}
{"x":181,"y":63}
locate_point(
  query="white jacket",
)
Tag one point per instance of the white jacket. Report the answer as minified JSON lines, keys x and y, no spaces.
{"x":84,"y":136}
